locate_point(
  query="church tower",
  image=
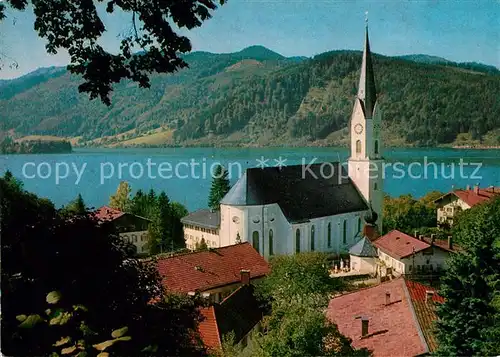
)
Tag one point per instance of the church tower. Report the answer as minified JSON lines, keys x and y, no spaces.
{"x":366,"y":161}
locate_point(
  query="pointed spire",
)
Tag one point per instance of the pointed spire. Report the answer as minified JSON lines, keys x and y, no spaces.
{"x":367,"y":92}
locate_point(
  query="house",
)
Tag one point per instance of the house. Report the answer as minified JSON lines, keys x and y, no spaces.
{"x":456,"y":201}
{"x":240,"y":313}
{"x":394,"y":318}
{"x":313,"y":206}
{"x":363,"y":257}
{"x":131,"y":228}
{"x":214,"y":273}
{"x":405,"y":254}
{"x":202,"y":225}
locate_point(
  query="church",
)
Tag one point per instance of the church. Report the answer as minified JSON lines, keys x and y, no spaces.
{"x":295,"y":209}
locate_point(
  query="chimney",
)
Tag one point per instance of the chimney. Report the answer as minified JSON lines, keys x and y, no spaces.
{"x":476,"y":189}
{"x":416,"y":234}
{"x":468,"y":188}
{"x":428,"y":296}
{"x":450,"y":242}
{"x":245,"y":276}
{"x":433,"y":238}
{"x":387,"y":298}
{"x":421,"y":237}
{"x":364,"y":326}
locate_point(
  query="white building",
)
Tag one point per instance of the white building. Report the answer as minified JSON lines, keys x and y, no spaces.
{"x":405,"y":254}
{"x":319,"y":207}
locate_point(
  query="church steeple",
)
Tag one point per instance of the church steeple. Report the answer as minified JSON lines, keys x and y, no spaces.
{"x":367,"y":92}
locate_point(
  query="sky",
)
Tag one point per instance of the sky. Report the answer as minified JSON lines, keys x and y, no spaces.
{"x":458,"y":30}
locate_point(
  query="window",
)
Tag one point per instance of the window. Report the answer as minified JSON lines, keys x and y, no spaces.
{"x":344,"y":233}
{"x":271,"y":243}
{"x":297,"y":241}
{"x":312,"y":239}
{"x":134,"y":237}
{"x":359,"y":225}
{"x":358,"y":147}
{"x":411,"y":268}
{"x":375,"y":186}
{"x":329,"y":233}
{"x":255,"y":240}
{"x":376,"y":147}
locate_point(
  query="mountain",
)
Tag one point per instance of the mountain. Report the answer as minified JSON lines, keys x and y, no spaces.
{"x":420,"y":58}
{"x":473,"y":66}
{"x":259,"y":97}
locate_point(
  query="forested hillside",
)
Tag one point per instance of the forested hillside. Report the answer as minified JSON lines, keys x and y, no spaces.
{"x":257,"y":96}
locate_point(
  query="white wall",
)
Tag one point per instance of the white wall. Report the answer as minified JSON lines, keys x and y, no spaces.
{"x":363,"y":264}
{"x":138,"y":239}
{"x":449,"y":207}
{"x":194,"y":234}
{"x":403,"y":266}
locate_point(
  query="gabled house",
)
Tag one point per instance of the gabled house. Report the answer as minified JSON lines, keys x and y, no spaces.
{"x":202,"y":225}
{"x":131,"y":228}
{"x":239,"y":313}
{"x":392,"y":319}
{"x":405,"y":254}
{"x":214,"y":273}
{"x":456,"y":201}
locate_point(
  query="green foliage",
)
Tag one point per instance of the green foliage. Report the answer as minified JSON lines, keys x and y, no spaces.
{"x":298,"y":290}
{"x":220,"y":186}
{"x":273,"y":102}
{"x":9,"y":146}
{"x":121,"y":199}
{"x":77,"y":206}
{"x":77,"y":29}
{"x":406,"y":213}
{"x":165,"y":231}
{"x":201,"y":245}
{"x":469,"y":322}
{"x":96,"y":284}
{"x":299,"y":274}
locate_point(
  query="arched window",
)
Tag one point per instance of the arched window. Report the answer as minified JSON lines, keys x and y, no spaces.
{"x":358,"y":146}
{"x":312,"y":239}
{"x":329,"y":234}
{"x":375,"y":186}
{"x":297,"y":241}
{"x":271,"y":243}
{"x":344,"y":232}
{"x":255,"y":240}
{"x":376,"y":147}
{"x":359,"y":225}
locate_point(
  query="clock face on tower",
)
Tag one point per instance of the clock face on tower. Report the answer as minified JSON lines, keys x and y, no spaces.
{"x":358,"y":128}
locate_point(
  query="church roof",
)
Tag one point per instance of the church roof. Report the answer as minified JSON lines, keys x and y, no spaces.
{"x":367,"y":92}
{"x":302,"y":192}
{"x":203,"y":218}
{"x":363,"y":248}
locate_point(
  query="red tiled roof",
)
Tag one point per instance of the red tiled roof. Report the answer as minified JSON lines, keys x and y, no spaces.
{"x":106,"y":213}
{"x":208,"y":329}
{"x":399,"y":244}
{"x":239,"y":313}
{"x":425,"y":312}
{"x":393,"y":329}
{"x":201,"y":271}
{"x":472,"y":198}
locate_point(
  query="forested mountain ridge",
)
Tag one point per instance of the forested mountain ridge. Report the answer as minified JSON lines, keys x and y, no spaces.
{"x":257,"y":96}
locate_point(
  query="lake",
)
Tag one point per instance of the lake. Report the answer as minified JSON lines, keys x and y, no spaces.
{"x":184,"y":173}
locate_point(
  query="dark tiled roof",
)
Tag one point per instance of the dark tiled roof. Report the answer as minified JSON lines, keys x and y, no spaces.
{"x":471,"y":197}
{"x":367,"y":92}
{"x":203,"y":218}
{"x":239,"y":313}
{"x":363,"y":248}
{"x":425,"y":311}
{"x":201,"y":271}
{"x":301,"y":196}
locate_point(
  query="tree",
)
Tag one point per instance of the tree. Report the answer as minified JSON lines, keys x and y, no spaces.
{"x":297,"y":291}
{"x":202,"y":245}
{"x":77,"y":28}
{"x":43,"y":252}
{"x":77,"y":206}
{"x":469,"y":319}
{"x":220,"y":186}
{"x":121,"y":199}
